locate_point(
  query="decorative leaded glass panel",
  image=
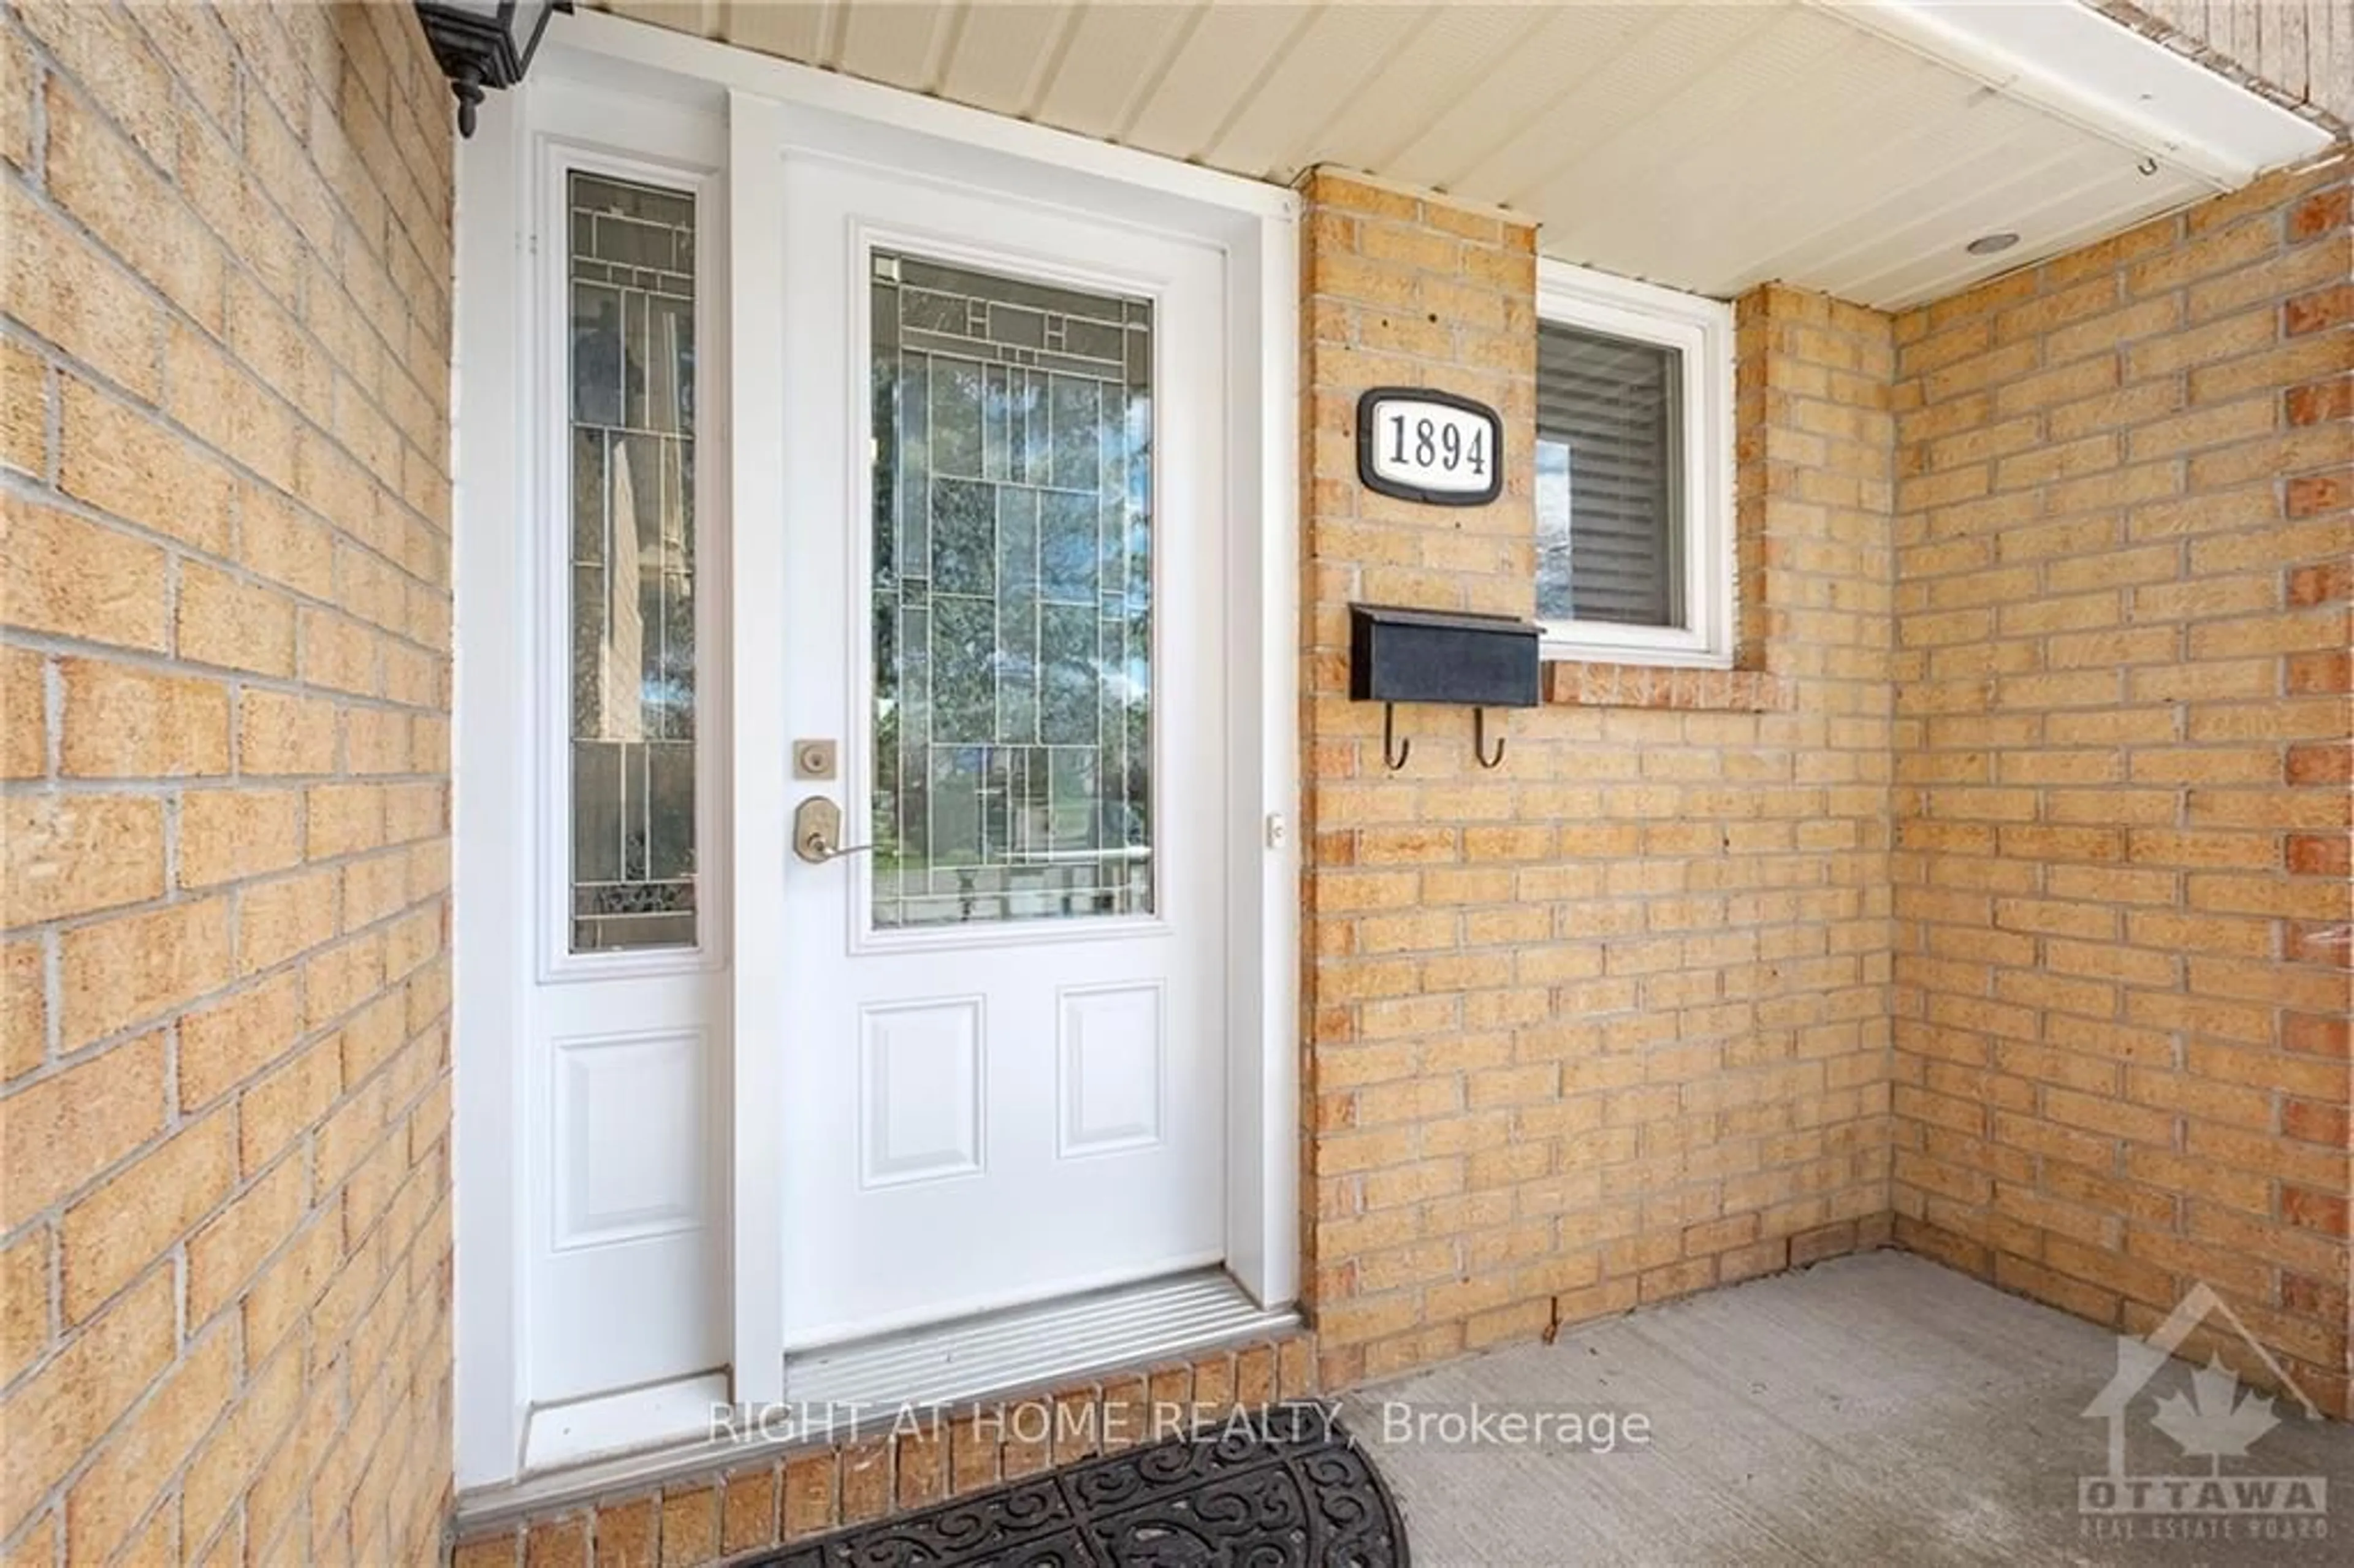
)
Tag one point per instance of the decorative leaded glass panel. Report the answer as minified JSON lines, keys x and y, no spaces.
{"x":1012,"y":599}
{"x":632,"y":554}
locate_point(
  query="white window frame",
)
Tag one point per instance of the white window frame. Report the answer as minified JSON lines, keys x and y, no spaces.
{"x":1701,"y":329}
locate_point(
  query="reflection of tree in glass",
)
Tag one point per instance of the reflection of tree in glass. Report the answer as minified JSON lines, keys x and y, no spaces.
{"x":597,"y":359}
{"x":1553,"y":532}
{"x":1136,"y":788}
{"x":887,"y":841}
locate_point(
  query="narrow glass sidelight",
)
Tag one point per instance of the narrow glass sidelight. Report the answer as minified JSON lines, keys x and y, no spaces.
{"x":632,"y":553}
{"x":1012,"y":599}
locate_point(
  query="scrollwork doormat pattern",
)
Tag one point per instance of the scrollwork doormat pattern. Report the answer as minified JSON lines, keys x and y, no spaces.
{"x":1260,"y":1496}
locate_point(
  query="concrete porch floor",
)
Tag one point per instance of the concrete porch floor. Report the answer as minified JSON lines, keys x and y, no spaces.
{"x":1875,"y":1409}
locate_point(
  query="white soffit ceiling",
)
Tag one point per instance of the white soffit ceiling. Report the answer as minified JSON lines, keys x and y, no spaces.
{"x":1853,"y":147}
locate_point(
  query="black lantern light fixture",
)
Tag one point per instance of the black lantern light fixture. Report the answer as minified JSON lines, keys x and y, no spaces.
{"x":483,"y":43}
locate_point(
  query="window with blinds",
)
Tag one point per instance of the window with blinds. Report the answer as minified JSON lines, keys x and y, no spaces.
{"x":1609,"y":466}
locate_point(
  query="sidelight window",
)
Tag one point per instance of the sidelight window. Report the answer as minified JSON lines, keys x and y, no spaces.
{"x":631,"y":586}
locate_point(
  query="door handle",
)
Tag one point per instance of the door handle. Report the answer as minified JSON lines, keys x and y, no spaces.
{"x":817,"y":831}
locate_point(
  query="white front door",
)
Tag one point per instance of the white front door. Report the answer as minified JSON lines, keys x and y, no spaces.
{"x":1001,"y":1016}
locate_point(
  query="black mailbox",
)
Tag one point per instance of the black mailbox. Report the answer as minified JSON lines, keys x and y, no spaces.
{"x":1433,"y":656}
{"x":1479,"y":661}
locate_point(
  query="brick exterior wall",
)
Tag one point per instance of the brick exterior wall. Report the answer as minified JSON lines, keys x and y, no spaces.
{"x":225,"y":1069}
{"x":1998,"y":897}
{"x":1608,"y":1023}
{"x":2124,"y":532}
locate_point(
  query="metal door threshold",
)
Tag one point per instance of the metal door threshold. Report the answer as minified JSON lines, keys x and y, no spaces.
{"x":1024,"y":1349}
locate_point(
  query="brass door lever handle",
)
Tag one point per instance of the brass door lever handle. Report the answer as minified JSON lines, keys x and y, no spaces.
{"x":817,"y":831}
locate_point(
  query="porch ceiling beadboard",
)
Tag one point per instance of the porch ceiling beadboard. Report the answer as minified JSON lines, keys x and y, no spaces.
{"x":1708,"y":147}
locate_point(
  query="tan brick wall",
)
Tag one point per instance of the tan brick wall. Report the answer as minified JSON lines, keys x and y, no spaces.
{"x":1608,"y":1023}
{"x":224,"y":1075}
{"x":2124,"y":531}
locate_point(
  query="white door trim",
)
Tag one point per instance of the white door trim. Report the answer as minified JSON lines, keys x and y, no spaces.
{"x":756,"y":399}
{"x":488,"y":460}
{"x":692,"y":83}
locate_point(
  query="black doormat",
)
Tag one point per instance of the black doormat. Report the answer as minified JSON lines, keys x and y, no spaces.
{"x":1272,"y":1495}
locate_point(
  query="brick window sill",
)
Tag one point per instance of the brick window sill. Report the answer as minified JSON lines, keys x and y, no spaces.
{"x":1578,"y":684}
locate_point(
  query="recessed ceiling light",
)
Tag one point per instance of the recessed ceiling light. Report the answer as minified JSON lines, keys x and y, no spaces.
{"x":1991,"y":244}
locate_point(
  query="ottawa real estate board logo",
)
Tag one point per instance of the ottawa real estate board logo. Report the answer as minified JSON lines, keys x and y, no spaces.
{"x":2215,"y":1485}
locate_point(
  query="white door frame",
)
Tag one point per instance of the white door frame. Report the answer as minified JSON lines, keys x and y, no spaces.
{"x":694,"y":86}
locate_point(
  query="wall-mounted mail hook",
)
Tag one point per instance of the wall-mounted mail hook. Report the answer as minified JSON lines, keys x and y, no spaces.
{"x":1480,"y":740}
{"x":1457,"y":657}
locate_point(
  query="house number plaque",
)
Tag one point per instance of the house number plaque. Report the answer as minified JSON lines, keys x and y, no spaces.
{"x":1431,"y":447}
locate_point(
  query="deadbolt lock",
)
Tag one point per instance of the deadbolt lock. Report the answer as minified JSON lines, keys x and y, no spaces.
{"x":814,"y":758}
